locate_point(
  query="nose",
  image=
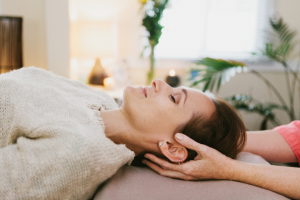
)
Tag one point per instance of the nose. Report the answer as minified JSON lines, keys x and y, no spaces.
{"x":160,"y":85}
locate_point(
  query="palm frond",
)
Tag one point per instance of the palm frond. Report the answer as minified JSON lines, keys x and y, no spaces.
{"x":281,"y":49}
{"x":282,"y":29}
{"x":217,"y":72}
{"x":247,"y":103}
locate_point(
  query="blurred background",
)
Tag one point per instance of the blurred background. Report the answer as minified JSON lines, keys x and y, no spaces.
{"x":67,"y":36}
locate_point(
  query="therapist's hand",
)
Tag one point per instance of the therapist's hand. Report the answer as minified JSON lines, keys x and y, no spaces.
{"x":211,"y":164}
{"x":208,"y":164}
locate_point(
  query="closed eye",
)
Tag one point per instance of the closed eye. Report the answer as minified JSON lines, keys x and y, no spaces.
{"x":173,"y":99}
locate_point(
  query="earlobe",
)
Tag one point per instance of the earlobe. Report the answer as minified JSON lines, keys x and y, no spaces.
{"x":174,"y":152}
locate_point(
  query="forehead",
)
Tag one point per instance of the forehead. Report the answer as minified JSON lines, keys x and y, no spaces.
{"x":199,"y":102}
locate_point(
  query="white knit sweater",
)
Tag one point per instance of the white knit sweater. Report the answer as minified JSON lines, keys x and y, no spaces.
{"x":52,"y":140}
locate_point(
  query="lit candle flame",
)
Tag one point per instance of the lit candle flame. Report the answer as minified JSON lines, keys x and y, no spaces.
{"x":108,"y":82}
{"x":172,"y":72}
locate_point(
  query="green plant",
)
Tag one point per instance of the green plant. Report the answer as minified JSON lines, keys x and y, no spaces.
{"x":218,"y":71}
{"x":153,"y":10}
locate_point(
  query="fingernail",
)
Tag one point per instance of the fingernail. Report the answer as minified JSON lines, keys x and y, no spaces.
{"x":143,"y":161}
{"x":179,"y":136}
{"x":146,"y":156}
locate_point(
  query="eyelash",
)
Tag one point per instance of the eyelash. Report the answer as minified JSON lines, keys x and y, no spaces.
{"x":173,"y":99}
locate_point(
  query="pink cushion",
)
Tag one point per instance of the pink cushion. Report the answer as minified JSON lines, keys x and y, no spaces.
{"x":135,"y":183}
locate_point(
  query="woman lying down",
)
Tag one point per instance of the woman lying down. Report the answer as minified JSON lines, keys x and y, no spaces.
{"x":61,"y":139}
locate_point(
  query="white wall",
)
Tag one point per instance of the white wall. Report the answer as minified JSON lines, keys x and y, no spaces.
{"x":58,"y":36}
{"x":34,"y":29}
{"x":289,"y":10}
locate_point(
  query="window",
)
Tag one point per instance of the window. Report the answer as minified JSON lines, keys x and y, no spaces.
{"x":229,"y":29}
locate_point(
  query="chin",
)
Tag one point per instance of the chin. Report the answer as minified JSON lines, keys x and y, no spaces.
{"x":128,"y":91}
{"x":128,"y":94}
{"x":125,"y":93}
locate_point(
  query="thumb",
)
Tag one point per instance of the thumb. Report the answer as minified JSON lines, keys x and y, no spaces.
{"x":190,"y":143}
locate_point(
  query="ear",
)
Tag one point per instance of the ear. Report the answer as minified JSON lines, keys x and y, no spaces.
{"x":173,"y":151}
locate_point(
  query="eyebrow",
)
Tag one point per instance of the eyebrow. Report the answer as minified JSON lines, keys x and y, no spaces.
{"x":185,"y":93}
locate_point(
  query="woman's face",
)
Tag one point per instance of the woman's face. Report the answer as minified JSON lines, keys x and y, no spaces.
{"x":160,"y":109}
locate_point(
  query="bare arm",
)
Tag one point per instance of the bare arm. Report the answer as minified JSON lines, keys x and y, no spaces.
{"x":211,"y":164}
{"x":270,"y":145}
{"x":283,"y":180}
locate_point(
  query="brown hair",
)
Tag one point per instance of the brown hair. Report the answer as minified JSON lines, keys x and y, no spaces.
{"x":223,"y":131}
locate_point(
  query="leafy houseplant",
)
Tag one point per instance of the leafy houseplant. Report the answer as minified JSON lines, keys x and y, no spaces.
{"x":218,"y":71}
{"x":153,"y":10}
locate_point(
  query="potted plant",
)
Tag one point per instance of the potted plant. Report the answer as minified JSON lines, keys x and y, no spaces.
{"x":153,"y":11}
{"x":217,"y":72}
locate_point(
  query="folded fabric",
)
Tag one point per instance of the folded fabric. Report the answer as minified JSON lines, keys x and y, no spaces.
{"x":135,"y":183}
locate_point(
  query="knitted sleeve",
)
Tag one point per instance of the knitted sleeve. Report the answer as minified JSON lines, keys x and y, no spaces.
{"x":52,"y":139}
{"x":53,"y":167}
{"x":291,"y":133}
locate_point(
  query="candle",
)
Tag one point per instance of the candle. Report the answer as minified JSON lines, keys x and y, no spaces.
{"x":172,"y":72}
{"x":109,"y":82}
{"x":172,"y":79}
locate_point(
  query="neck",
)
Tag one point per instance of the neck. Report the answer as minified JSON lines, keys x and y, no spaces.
{"x":119,"y":130}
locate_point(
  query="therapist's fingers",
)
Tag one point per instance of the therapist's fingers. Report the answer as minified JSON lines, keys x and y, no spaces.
{"x":163,"y":163}
{"x":191,"y":144}
{"x":168,"y":173}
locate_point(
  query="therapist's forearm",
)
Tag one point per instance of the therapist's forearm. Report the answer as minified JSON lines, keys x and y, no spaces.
{"x":283,"y":180}
{"x":270,"y":145}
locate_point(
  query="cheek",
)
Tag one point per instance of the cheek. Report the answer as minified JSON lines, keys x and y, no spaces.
{"x":152,"y":115}
{"x":160,"y":106}
{"x":162,"y":114}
